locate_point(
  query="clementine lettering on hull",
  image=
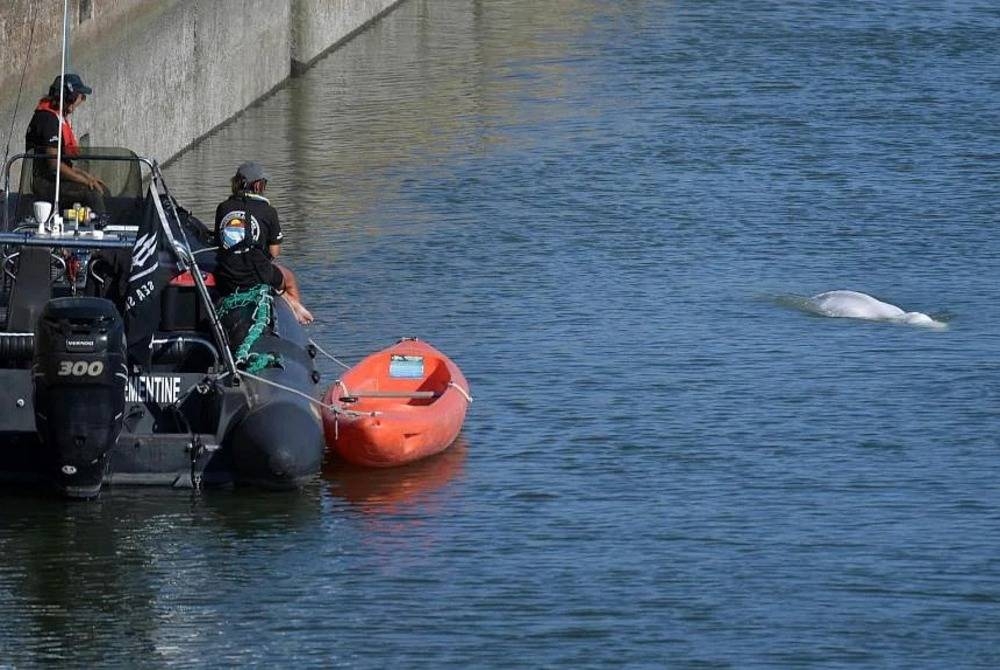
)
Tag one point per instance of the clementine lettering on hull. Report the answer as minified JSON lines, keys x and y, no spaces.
{"x":163,"y":390}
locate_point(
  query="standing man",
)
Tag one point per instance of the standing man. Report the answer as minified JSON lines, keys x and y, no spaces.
{"x":42,"y":137}
{"x":249,"y":238}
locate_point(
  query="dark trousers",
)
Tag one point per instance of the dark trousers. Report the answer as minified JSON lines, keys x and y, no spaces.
{"x":71,"y":192}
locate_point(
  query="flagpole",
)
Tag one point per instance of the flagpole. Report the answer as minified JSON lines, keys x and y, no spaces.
{"x":62,"y":93}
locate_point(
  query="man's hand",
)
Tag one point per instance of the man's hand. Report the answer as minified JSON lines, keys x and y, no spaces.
{"x":95,"y":183}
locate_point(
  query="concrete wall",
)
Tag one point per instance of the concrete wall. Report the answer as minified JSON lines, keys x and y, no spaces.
{"x":315,"y":22}
{"x":164,"y":72}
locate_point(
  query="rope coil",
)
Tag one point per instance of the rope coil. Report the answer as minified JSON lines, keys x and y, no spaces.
{"x":260,"y":297}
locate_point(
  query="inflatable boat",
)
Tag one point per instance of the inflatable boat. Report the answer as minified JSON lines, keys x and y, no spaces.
{"x":115,"y":364}
{"x":396,"y":406}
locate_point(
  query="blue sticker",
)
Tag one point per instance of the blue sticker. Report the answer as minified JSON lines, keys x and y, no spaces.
{"x":406,"y":367}
{"x":233,"y":233}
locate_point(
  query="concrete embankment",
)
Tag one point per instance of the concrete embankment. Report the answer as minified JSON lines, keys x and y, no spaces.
{"x":164,"y":73}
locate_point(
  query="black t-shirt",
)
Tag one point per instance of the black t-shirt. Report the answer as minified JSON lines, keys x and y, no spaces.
{"x":245,"y":226}
{"x":42,"y":133}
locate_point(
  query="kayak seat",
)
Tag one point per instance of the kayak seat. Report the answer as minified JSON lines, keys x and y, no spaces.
{"x":423,"y":391}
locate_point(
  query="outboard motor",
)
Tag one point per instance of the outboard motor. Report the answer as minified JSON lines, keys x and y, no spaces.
{"x":79,"y":377}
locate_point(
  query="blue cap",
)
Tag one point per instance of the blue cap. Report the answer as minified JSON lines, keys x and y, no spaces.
{"x":73,"y":85}
{"x":251,"y":172}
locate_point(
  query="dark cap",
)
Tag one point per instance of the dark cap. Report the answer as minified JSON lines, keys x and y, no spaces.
{"x":73,"y":85}
{"x":251,"y":172}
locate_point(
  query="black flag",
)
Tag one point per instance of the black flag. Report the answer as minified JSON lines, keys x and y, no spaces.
{"x":153,"y":264}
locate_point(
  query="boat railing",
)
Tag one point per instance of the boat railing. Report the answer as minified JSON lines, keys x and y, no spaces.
{"x":28,"y":236}
{"x":182,"y":340}
{"x":129,"y":184}
{"x":10,"y":259}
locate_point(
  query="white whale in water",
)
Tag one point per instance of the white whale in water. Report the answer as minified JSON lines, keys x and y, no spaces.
{"x":855,"y":305}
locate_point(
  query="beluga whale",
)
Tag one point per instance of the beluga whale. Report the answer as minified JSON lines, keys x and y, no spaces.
{"x":856,"y":305}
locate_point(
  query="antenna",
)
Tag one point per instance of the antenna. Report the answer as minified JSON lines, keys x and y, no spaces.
{"x":62,"y":93}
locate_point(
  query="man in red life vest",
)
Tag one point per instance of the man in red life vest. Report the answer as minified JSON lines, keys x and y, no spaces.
{"x":42,"y":137}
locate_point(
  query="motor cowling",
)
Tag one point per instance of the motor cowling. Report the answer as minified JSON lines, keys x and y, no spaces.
{"x":79,"y":378}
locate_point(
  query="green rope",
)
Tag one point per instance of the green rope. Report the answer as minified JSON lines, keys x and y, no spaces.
{"x":260,"y":297}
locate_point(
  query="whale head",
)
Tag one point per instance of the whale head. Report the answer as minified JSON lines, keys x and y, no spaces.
{"x":921,"y":319}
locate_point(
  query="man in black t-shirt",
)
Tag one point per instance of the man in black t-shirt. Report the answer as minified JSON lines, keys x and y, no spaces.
{"x":42,"y":137}
{"x":249,"y":237}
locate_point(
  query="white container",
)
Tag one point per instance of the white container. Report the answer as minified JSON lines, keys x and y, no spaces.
{"x":42,"y":210}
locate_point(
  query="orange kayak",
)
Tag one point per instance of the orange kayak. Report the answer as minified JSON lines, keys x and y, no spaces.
{"x":396,"y":406}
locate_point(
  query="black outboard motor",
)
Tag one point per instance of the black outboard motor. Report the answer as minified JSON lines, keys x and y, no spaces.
{"x":79,"y":377}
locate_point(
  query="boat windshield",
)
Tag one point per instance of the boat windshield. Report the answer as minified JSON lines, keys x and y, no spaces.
{"x":119,"y":168}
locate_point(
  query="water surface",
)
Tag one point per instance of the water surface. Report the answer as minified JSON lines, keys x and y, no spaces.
{"x":598,"y":208}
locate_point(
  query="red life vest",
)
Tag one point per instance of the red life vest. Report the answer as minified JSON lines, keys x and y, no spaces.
{"x":70,"y":146}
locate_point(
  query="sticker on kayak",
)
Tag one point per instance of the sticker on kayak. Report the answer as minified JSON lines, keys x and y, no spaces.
{"x":406,"y":367}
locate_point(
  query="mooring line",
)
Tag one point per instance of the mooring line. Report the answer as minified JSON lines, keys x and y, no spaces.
{"x":330,"y":356}
{"x":332,"y":408}
{"x":461,"y":390}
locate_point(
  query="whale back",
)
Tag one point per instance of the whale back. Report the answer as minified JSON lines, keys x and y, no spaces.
{"x":857,"y":305}
{"x":853,"y":304}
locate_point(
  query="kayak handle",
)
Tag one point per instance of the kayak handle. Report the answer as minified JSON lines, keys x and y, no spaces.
{"x":353,"y":397}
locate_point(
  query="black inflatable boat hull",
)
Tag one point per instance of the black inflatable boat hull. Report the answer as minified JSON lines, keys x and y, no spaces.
{"x":181,"y":430}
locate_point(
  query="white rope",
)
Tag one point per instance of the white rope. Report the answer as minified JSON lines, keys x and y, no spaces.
{"x":461,"y":390}
{"x":333,"y":408}
{"x":62,"y":110}
{"x":332,"y":358}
